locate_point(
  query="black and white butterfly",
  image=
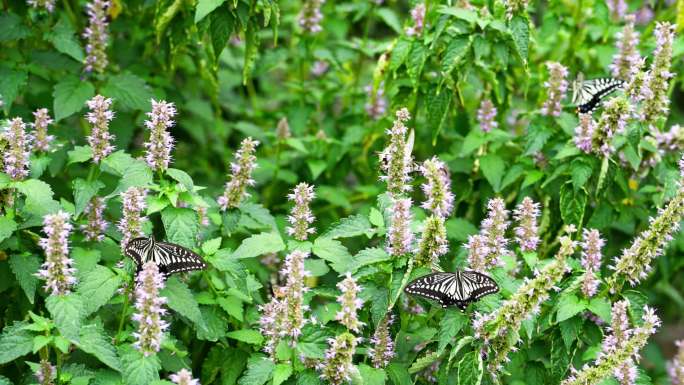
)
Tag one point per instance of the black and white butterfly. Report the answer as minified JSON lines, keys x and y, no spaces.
{"x":587,"y":94}
{"x":169,"y":257}
{"x":459,"y":288}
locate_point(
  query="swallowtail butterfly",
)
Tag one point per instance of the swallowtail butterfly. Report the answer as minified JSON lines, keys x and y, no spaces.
{"x":170,"y":258}
{"x":459,"y":288}
{"x":587,"y":94}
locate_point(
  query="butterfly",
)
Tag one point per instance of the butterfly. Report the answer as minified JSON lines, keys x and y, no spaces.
{"x":459,"y":288}
{"x":587,"y":94}
{"x":169,"y":257}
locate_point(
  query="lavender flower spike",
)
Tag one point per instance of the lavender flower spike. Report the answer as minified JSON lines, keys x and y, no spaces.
{"x":241,"y":176}
{"x":301,"y":217}
{"x":16,"y":157}
{"x":486,"y":115}
{"x":395,"y":160}
{"x":437,"y":189}
{"x":656,"y":84}
{"x":294,"y":290}
{"x":337,"y":367}
{"x":97,"y":36}
{"x":158,"y":155}
{"x":49,"y":5}
{"x":616,"y":114}
{"x":57,"y":272}
{"x":515,"y":7}
{"x":149,"y":309}
{"x":46,"y":373}
{"x":526,"y":214}
{"x":591,"y":260}
{"x":493,"y":228}
{"x":433,"y":243}
{"x":617,"y":8}
{"x":377,"y":103}
{"x":399,"y":235}
{"x":675,"y":368}
{"x":183,"y":377}
{"x":41,"y":121}
{"x":99,"y":117}
{"x":584,"y":133}
{"x":132,"y":220}
{"x":556,"y":87}
{"x":382,"y":344}
{"x":310,"y":16}
{"x":627,"y":59}
{"x":350,"y":303}
{"x":418,"y":17}
{"x":271,"y":324}
{"x":94,"y":229}
{"x":479,"y":252}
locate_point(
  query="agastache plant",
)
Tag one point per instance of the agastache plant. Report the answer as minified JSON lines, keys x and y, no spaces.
{"x":493,"y":229}
{"x":437,"y":188}
{"x":301,"y":217}
{"x":418,"y":18}
{"x":57,"y":270}
{"x":627,"y":60}
{"x":183,"y":377}
{"x":46,"y":373}
{"x":149,"y":306}
{"x":96,"y":36}
{"x":499,"y":330}
{"x":584,"y":133}
{"x":49,"y":6}
{"x":433,"y":243}
{"x":271,"y":323}
{"x":654,"y":90}
{"x":675,"y":368}
{"x":377,"y":103}
{"x":396,"y":161}
{"x":241,"y":175}
{"x":515,"y":7}
{"x":16,"y":157}
{"x":131,"y":222}
{"x":556,"y":87}
{"x":160,"y":144}
{"x":591,"y":244}
{"x":94,"y":229}
{"x":399,"y":235}
{"x":526,"y":233}
{"x":486,"y":115}
{"x":41,"y":121}
{"x":350,"y":303}
{"x":616,"y":114}
{"x":337,"y":368}
{"x":294,"y":290}
{"x":310,"y":16}
{"x":382,"y":344}
{"x":99,"y":117}
{"x":617,"y":8}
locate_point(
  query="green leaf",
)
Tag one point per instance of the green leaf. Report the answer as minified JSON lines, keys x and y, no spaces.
{"x":24,"y":268}
{"x":129,"y":90}
{"x":181,"y":177}
{"x":398,"y":374}
{"x":70,"y":96}
{"x":399,"y":53}
{"x":259,"y":370}
{"x":139,"y":369}
{"x":249,"y":336}
{"x":334,"y":252}
{"x":12,"y":28}
{"x":281,"y":373}
{"x":391,"y":19}
{"x":79,"y":154}
{"x":211,"y":246}
{"x":423,"y":362}
{"x":456,"y":50}
{"x":348,"y":227}
{"x":459,"y":229}
{"x":67,"y":312}
{"x":470,"y":369}
{"x":222,"y":25}
{"x":38,"y":198}
{"x":181,"y":225}
{"x":98,"y":285}
{"x":369,"y":256}
{"x":452,"y":323}
{"x":570,"y":330}
{"x":94,"y":340}
{"x":581,"y":172}
{"x":493,"y":168}
{"x":7,"y":227}
{"x":259,"y":244}
{"x":372,"y":376}
{"x":205,"y":7}
{"x":63,"y":37}
{"x":84,"y":191}
{"x":232,"y":306}
{"x":572,"y":204}
{"x":251,"y":49}
{"x":416,"y":61}
{"x":568,"y":306}
{"x":601,"y":307}
{"x":181,"y":300}
{"x":520,"y":29}
{"x":11,"y":82}
{"x":438,"y":104}
{"x":15,"y":342}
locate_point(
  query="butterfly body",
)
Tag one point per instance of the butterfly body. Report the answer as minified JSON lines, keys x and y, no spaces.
{"x":587,"y":94}
{"x":169,"y":257}
{"x":459,"y":288}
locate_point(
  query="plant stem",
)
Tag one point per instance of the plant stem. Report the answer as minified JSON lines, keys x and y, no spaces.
{"x":123,"y":316}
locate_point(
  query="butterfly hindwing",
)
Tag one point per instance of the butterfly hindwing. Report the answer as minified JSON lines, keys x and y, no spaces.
{"x":460,"y":288}
{"x":169,"y":257}
{"x":588,"y":94}
{"x":137,"y":249}
{"x":482,"y":284}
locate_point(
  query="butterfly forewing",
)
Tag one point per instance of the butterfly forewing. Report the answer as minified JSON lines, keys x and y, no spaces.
{"x":137,"y":249}
{"x":169,"y":257}
{"x":460,"y":288}
{"x":588,"y":94}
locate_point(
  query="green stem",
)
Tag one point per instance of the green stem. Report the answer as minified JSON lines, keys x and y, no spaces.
{"x":123,"y":316}
{"x":70,"y":13}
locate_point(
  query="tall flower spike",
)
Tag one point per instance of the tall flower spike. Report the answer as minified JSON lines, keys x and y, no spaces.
{"x":183,"y":377}
{"x":301,"y":217}
{"x":241,"y":175}
{"x":525,"y":215}
{"x":149,"y":306}
{"x":311,"y":16}
{"x":271,"y":323}
{"x":382,"y":344}
{"x":486,"y":115}
{"x":618,"y":361}
{"x":437,"y":188}
{"x":584,"y":133}
{"x":591,"y":244}
{"x":396,"y":160}
{"x":96,"y":225}
{"x":337,"y":367}
{"x":515,"y":7}
{"x":97,"y":36}
{"x":16,"y":157}
{"x":41,"y":121}
{"x":350,"y":303}
{"x":132,"y":220}
{"x":56,"y":270}
{"x":556,"y":87}
{"x":657,"y":80}
{"x":478,"y":253}
{"x":496,"y":328}
{"x":433,"y":244}
{"x":617,"y":8}
{"x":294,"y":290}
{"x":614,"y":118}
{"x":418,"y":18}
{"x":493,"y":228}
{"x":675,"y":368}
{"x":627,"y":60}
{"x":377,"y":103}
{"x":158,"y":155}
{"x":49,"y":5}
{"x":99,"y":117}
{"x":46,"y":373}
{"x":399,"y":235}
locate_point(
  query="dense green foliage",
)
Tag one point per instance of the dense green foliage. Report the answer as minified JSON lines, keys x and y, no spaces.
{"x":247,"y":68}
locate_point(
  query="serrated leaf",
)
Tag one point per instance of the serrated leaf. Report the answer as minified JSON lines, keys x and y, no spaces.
{"x":138,"y":369}
{"x":11,"y":82}
{"x":181,"y":177}
{"x":568,"y":306}
{"x":449,"y":326}
{"x":98,"y":285}
{"x":580,"y":172}
{"x":493,"y":169}
{"x":129,"y":90}
{"x":251,"y":50}
{"x":12,"y":28}
{"x":94,"y":340}
{"x":334,"y":252}
{"x":211,"y":246}
{"x":372,"y":376}
{"x":232,"y":306}
{"x":205,"y":7}
{"x":423,"y":362}
{"x":470,"y":369}
{"x":84,"y":191}
{"x":572,"y":204}
{"x":24,"y":268}
{"x":249,"y":336}
{"x":181,"y":225}
{"x":399,"y":53}
{"x":369,"y":256}
{"x":438,"y":104}
{"x":222,"y":25}
{"x":259,"y":370}
{"x":281,"y":373}
{"x":70,"y":96}
{"x":520,"y":29}
{"x":601,"y":307}
{"x":459,"y":229}
{"x":7,"y":227}
{"x":38,"y":197}
{"x":63,"y":37}
{"x":259,"y":244}
{"x":181,"y":300}
{"x":416,"y":61}
{"x":79,"y":154}
{"x":456,"y":50}
{"x":67,"y":312}
{"x":14,"y":342}
{"x":348,"y":227}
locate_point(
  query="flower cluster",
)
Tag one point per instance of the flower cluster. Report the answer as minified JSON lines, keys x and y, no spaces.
{"x":183,"y":377}
{"x":41,"y":121}
{"x":486,"y":249}
{"x":654,"y":90}
{"x":399,"y":235}
{"x":627,"y":60}
{"x":556,"y":87}
{"x":525,"y":214}
{"x":614,"y":118}
{"x":486,"y":115}
{"x":620,"y":349}
{"x":418,"y":17}
{"x":310,"y":16}
{"x":301,"y":217}
{"x":131,"y":222}
{"x":241,"y":175}
{"x":396,"y":160}
{"x":377,"y":103}
{"x":584,"y":133}
{"x":49,"y":5}
{"x":591,"y":260}
{"x":46,"y":373}
{"x":283,"y":129}
{"x":270,"y":324}
{"x":16,"y":158}
{"x":96,"y":225}
{"x":99,"y":117}
{"x":160,"y":144}
{"x":496,"y":328}
{"x":382,"y":344}
{"x":96,"y":35}
{"x":337,"y":367}
{"x":617,"y":8}
{"x":350,"y":303}
{"x":56,"y":270}
{"x":675,"y":368}
{"x":149,"y":309}
{"x":319,"y":68}
{"x":437,"y":188}
{"x":515,"y":7}
{"x":433,"y":243}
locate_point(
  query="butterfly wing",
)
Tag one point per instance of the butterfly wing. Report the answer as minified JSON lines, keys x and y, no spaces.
{"x":138,"y":249}
{"x":172,"y":258}
{"x":442,"y":287}
{"x":477,"y":285}
{"x":593,"y":91}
